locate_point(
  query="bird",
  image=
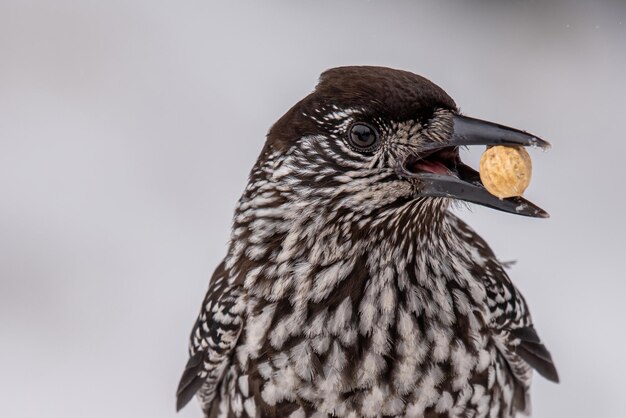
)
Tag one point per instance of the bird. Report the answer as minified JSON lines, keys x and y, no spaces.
{"x":349,"y":287}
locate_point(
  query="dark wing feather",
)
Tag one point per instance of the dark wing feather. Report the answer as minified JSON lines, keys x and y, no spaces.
{"x":213,"y":340}
{"x":535,"y":353}
{"x":191,"y":381}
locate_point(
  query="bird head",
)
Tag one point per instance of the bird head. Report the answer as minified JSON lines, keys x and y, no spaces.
{"x":371,"y":140}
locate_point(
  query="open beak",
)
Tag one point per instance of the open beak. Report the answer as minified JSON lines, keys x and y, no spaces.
{"x":442,"y":174}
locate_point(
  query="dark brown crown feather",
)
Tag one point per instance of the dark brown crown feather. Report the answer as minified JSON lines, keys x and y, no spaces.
{"x":385,"y":92}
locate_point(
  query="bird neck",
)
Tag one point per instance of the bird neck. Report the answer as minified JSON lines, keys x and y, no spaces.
{"x":316,"y":287}
{"x":278,"y":249}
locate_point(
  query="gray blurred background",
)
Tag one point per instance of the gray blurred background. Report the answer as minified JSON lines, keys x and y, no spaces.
{"x":127,"y":130}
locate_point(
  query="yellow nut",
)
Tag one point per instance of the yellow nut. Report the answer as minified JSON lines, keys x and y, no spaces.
{"x":505,"y":171}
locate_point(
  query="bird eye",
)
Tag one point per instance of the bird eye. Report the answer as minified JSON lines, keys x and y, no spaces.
{"x":363,"y":137}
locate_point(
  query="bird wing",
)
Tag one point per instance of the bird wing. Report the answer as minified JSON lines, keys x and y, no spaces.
{"x":512,"y":325}
{"x":213,"y":339}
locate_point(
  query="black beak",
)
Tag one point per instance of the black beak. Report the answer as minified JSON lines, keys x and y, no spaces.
{"x":442,"y":174}
{"x":470,"y":131}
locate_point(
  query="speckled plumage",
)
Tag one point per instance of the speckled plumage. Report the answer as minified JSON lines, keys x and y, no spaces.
{"x":344,"y":292}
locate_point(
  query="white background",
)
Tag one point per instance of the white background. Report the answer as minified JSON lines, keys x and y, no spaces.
{"x":127,"y":130}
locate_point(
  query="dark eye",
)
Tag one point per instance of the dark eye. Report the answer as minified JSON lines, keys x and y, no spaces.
{"x":363,"y":137}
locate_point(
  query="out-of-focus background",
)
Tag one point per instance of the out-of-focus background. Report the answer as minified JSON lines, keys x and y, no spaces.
{"x":127,"y":130}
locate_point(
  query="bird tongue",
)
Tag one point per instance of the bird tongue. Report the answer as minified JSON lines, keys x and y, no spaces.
{"x":434,"y":167}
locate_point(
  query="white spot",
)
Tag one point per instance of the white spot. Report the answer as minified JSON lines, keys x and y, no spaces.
{"x":373,"y":402}
{"x":243,"y":385}
{"x":250,"y":407}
